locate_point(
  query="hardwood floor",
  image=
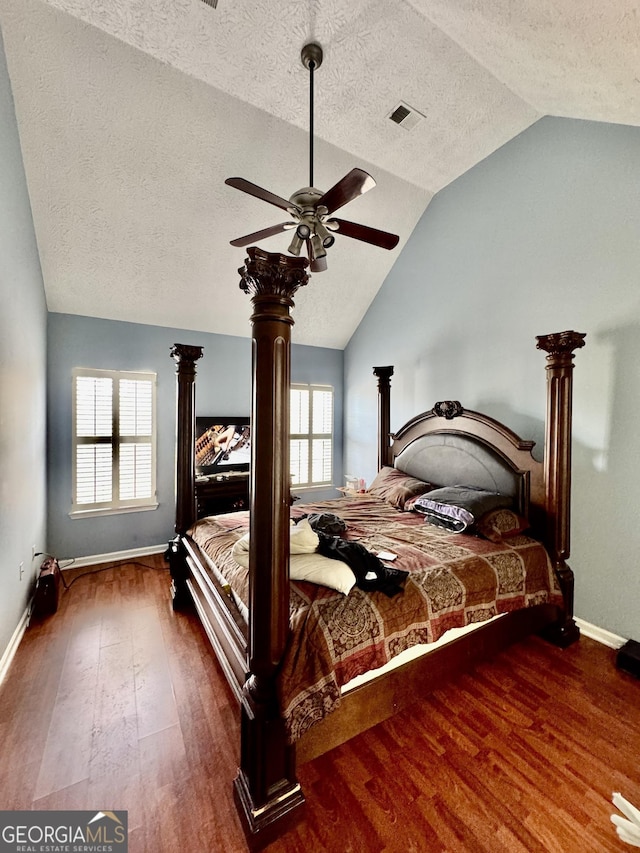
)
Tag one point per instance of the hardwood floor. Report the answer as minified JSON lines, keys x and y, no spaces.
{"x":115,"y":702}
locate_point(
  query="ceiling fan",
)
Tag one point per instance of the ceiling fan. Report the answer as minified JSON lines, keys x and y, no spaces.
{"x":311,"y":210}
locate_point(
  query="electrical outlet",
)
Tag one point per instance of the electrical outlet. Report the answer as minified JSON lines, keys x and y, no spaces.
{"x":21,"y":568}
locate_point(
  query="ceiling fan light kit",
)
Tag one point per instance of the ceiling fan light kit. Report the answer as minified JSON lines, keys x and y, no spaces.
{"x":310,"y":208}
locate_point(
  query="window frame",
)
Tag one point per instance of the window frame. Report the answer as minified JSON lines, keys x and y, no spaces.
{"x":115,"y":505}
{"x":310,"y":436}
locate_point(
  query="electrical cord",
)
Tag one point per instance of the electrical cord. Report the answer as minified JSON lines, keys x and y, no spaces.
{"x":113,"y":565}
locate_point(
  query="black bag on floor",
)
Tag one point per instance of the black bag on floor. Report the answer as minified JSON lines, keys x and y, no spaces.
{"x":45,"y":599}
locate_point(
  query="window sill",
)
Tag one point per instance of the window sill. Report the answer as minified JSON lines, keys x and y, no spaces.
{"x":92,"y":513}
{"x":316,"y":487}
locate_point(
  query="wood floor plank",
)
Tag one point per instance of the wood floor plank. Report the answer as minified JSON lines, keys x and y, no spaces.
{"x":71,"y":797}
{"x":155,"y":701}
{"x":115,"y":727}
{"x":163,"y":758}
{"x":116,"y":702}
{"x":119,"y":792}
{"x":67,"y":749}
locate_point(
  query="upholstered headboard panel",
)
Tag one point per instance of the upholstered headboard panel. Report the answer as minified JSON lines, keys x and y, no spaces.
{"x":452,"y":460}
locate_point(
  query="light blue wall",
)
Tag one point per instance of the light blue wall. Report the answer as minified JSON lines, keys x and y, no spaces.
{"x":223,"y":387}
{"x":22,"y":377}
{"x":542,"y":236}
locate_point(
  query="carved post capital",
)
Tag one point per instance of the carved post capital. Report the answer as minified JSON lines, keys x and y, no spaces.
{"x":560,"y":345}
{"x":271,"y":274}
{"x":383,"y":372}
{"x":384,"y":375}
{"x":184,"y":354}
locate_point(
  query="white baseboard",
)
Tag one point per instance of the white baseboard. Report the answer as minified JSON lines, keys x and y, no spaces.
{"x":14,"y":642}
{"x":113,"y":557}
{"x":600,"y":634}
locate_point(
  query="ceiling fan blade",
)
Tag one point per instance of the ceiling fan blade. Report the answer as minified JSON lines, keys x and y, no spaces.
{"x":368,"y":235}
{"x":351,"y":186}
{"x":260,"y":235}
{"x":258,"y":192}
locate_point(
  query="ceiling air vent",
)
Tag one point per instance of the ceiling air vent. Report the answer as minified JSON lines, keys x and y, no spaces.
{"x":405,"y":116}
{"x":212,"y":3}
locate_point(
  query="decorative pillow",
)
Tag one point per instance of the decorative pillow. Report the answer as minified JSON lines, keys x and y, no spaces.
{"x":456,"y":508}
{"x":396,"y":488}
{"x":499,"y":524}
{"x":323,"y":571}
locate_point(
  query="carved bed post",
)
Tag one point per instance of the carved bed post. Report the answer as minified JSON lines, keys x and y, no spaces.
{"x":185,"y":357}
{"x":384,"y":375}
{"x":557,"y":468}
{"x":266,"y":787}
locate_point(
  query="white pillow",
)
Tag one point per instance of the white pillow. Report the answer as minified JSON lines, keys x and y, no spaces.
{"x":303,"y":538}
{"x":322,"y":571}
{"x":305,"y":564}
{"x":240,"y":551}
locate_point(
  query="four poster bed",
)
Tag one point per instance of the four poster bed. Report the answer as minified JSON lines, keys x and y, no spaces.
{"x":296,"y":653}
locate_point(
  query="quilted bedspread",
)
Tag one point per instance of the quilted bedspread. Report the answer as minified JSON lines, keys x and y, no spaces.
{"x":455,"y":580}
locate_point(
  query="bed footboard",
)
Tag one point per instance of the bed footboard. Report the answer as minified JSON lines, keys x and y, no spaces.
{"x":222,"y":621}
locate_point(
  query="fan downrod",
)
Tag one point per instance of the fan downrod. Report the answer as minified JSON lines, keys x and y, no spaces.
{"x":311,"y":53}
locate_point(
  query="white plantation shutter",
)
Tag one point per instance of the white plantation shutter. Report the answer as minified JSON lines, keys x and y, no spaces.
{"x":114,"y":440}
{"x":311,"y":446}
{"x":135,"y":471}
{"x":136,"y":429}
{"x":299,"y":405}
{"x":94,"y":470}
{"x":299,"y":461}
{"x":94,"y":396}
{"x":321,"y":460}
{"x":322,"y":402}
{"x":93,"y":427}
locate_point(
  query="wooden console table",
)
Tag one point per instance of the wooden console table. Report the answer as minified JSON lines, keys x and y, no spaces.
{"x":225,"y":494}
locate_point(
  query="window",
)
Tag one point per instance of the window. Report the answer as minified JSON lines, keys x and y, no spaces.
{"x":311,"y":454}
{"x":114,"y":441}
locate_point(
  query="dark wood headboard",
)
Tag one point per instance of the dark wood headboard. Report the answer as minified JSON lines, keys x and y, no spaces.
{"x":542,"y":488}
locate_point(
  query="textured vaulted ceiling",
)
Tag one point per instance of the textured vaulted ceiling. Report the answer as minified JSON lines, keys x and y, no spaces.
{"x":132,"y":113}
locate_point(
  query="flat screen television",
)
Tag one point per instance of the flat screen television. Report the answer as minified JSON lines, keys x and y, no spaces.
{"x":223,"y":445}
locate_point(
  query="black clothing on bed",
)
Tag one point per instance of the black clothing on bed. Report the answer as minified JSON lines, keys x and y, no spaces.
{"x":370,"y":571}
{"x":326,"y":522}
